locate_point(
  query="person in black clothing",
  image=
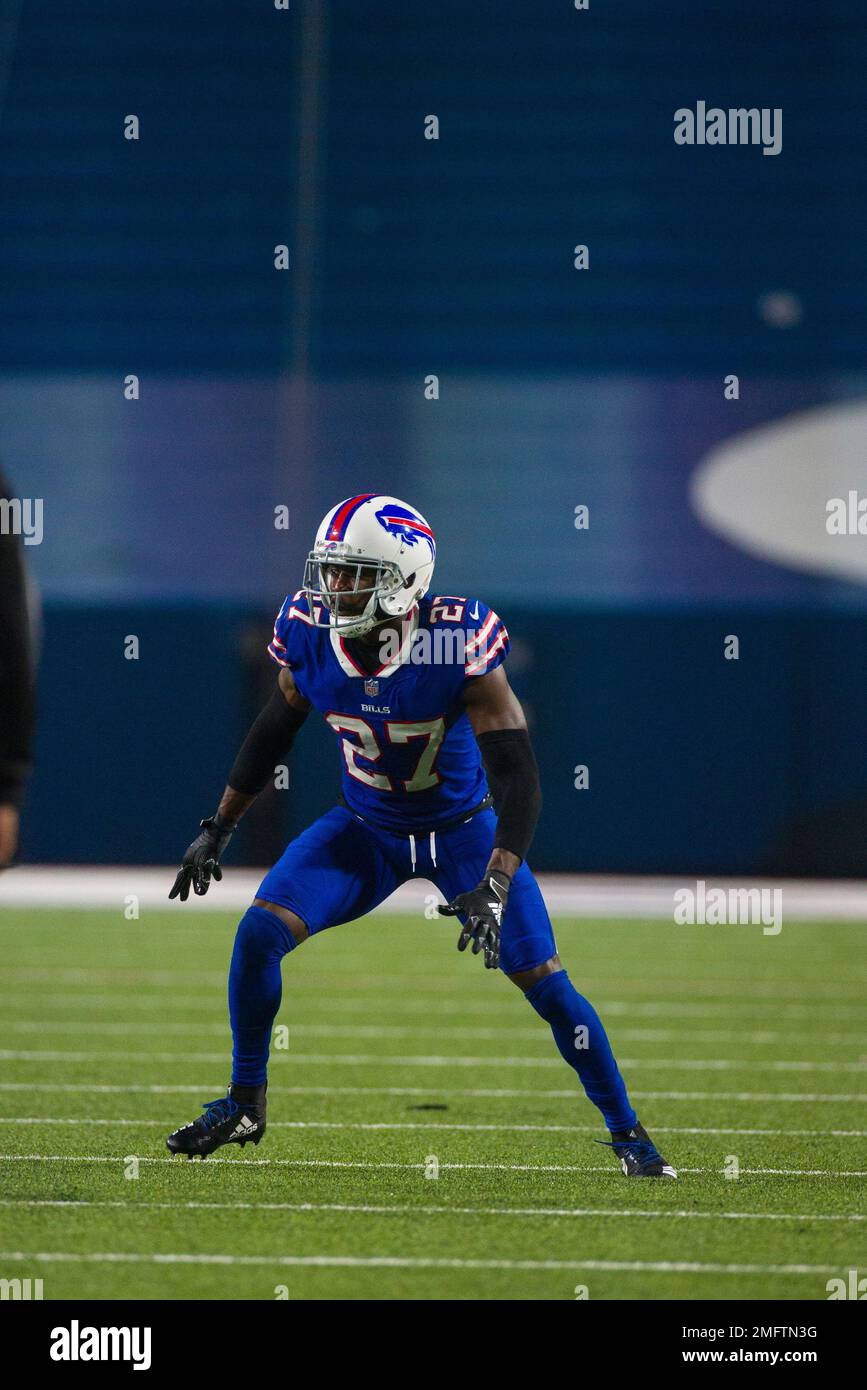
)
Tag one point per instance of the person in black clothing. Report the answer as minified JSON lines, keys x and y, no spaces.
{"x":16,"y":681}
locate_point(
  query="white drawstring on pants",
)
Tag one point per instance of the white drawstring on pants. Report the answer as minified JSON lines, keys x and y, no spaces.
{"x":433,"y":849}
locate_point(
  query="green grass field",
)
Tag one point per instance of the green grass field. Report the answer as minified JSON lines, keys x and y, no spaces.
{"x":732,"y":1044}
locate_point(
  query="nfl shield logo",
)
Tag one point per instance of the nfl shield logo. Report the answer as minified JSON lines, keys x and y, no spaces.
{"x":371,"y":687}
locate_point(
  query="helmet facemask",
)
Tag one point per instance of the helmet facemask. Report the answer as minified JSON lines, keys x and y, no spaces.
{"x":371,"y":578}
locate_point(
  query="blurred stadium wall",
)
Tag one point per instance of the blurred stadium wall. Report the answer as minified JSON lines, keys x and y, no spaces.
{"x":558,"y":388}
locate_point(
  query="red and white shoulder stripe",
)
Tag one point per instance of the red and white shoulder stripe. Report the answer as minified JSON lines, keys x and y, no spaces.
{"x":277,"y":650}
{"x":294,"y":608}
{"x":486,"y":648}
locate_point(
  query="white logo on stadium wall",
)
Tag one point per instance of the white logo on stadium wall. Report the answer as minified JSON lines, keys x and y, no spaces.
{"x":766,"y":490}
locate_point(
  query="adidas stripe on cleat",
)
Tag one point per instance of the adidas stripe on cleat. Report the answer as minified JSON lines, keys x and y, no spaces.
{"x":223,"y":1121}
{"x":639,"y":1156}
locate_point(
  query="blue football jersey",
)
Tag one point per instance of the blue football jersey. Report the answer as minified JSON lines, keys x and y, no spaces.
{"x":409,"y":756}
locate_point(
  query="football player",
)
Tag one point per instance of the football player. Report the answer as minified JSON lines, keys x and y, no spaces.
{"x":439,"y":782}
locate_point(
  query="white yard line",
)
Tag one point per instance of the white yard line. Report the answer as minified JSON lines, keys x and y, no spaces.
{"x":410,"y":1262}
{"x":323,"y":1001}
{"x":427,"y":1092}
{"x":443,"y":1125}
{"x":407,"y":1209}
{"x":610,"y":1169}
{"x":538,"y":1034}
{"x":463,"y":990}
{"x":403,"y":1060}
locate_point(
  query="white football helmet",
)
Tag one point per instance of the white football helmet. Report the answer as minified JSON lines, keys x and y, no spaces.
{"x":372,"y":560}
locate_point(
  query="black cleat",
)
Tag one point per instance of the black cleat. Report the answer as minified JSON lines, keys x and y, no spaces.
{"x":228,"y":1120}
{"x":639,"y":1156}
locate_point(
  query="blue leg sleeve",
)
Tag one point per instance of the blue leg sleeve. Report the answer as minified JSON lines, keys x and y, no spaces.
{"x":255,"y":989}
{"x":583,"y":1043}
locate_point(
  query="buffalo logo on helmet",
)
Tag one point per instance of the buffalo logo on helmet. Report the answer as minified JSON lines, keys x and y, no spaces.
{"x":401,"y":522}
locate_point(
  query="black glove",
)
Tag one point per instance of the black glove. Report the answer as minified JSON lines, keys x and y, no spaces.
{"x":202,"y":859}
{"x":483,"y":908}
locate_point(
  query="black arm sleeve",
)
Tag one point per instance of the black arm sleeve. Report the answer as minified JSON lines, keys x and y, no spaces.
{"x":513,"y":776}
{"x":16,"y":670}
{"x":269,"y":739}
